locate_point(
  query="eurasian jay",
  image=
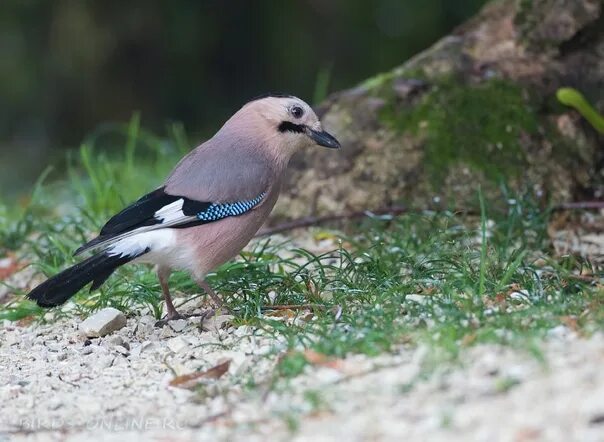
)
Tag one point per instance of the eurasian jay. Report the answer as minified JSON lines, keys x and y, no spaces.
{"x":210,"y":206}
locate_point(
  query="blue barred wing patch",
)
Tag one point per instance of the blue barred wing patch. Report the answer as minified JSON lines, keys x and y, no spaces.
{"x":218,"y":211}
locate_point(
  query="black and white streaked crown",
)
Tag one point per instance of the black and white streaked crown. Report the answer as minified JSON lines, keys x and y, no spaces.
{"x":271,"y":95}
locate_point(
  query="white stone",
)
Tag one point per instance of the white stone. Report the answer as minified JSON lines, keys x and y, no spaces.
{"x":103,"y":322}
{"x":244,"y":330}
{"x":178,"y":344}
{"x":119,"y":340}
{"x":272,"y":296}
{"x":104,"y":362}
{"x":419,"y":299}
{"x":178,"y":325}
{"x":521,"y":296}
{"x":559,"y":332}
{"x":165,"y":333}
{"x":12,"y":339}
{"x":146,"y":346}
{"x":55,"y":403}
{"x":215,"y":323}
{"x":122,"y":350}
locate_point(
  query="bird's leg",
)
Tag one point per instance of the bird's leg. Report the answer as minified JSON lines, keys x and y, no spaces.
{"x":163,"y":274}
{"x":211,"y":293}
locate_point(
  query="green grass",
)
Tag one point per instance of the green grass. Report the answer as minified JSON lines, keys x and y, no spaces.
{"x":461,"y":271}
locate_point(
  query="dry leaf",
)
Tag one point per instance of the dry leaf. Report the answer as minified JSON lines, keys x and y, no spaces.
{"x":571,"y":322}
{"x":501,"y":298}
{"x":527,"y":434}
{"x":24,"y":322}
{"x":316,"y":358}
{"x":312,"y":289}
{"x":430,"y":290}
{"x":468,"y":339}
{"x":309,"y":316}
{"x":9,"y":266}
{"x":191,"y":380}
{"x":323,"y":235}
{"x":282,"y":313}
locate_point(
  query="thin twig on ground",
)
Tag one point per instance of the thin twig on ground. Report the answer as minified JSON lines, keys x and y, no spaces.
{"x":291,"y":307}
{"x":309,"y":221}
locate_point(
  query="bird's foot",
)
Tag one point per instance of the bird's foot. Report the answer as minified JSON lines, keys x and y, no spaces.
{"x":170,"y":317}
{"x":203,"y":316}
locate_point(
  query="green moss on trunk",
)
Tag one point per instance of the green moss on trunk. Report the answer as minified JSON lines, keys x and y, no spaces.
{"x":480,"y":126}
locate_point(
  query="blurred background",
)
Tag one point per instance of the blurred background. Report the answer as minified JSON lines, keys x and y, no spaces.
{"x":68,"y":66}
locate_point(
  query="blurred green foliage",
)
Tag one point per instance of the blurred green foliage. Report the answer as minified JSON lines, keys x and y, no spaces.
{"x":68,"y":65}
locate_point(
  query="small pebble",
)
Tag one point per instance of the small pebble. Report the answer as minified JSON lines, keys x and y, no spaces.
{"x":178,"y":344}
{"x":103,"y":322}
{"x":117,"y":340}
{"x":122,"y":350}
{"x":178,"y":325}
{"x":215,"y":323}
{"x":142,"y":348}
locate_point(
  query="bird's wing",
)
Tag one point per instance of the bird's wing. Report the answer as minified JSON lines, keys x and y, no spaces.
{"x":159,"y":210}
{"x":222,"y":170}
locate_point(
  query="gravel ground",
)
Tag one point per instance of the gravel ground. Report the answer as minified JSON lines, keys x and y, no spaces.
{"x":56,"y":384}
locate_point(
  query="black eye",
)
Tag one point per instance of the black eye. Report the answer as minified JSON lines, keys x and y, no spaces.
{"x":297,"y":112}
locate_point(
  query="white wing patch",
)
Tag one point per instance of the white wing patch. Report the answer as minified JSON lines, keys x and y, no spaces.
{"x":136,"y":244}
{"x":171,"y":212}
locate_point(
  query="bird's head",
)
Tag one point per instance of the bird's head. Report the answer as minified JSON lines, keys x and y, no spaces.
{"x":287,"y":122}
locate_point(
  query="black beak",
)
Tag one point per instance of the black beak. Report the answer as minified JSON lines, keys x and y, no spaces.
{"x":323,"y":139}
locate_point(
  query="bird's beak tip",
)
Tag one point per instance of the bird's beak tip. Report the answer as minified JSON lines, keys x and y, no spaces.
{"x":324,"y":139}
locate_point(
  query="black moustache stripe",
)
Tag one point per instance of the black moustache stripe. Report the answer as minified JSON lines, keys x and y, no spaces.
{"x":288,"y":126}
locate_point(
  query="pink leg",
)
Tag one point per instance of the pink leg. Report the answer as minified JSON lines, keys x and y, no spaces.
{"x":163,"y":274}
{"x":209,"y":291}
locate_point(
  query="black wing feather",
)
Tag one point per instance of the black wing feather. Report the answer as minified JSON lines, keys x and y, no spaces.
{"x":138,"y":214}
{"x":142,"y":213}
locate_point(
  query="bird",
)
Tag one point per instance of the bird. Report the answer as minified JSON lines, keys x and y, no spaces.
{"x":209,"y":207}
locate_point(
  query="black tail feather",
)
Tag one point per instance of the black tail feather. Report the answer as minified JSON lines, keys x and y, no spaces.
{"x":59,"y":288}
{"x":100,"y":279}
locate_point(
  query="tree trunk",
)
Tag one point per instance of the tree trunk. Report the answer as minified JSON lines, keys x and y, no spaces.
{"x":479,"y":107}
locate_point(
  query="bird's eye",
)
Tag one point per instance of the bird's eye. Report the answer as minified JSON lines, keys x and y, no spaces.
{"x":297,"y":111}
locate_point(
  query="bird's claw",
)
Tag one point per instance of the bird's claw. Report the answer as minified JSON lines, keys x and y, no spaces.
{"x":168,"y":318}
